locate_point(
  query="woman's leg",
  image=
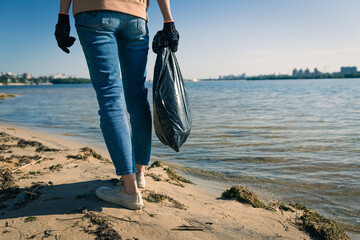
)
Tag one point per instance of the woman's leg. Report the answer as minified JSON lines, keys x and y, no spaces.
{"x":133,"y":43}
{"x":97,"y":32}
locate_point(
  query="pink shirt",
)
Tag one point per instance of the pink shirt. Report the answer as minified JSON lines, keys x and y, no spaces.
{"x":133,"y":7}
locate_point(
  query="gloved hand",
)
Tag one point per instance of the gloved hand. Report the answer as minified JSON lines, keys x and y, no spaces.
{"x":168,"y":37}
{"x":62,"y":33}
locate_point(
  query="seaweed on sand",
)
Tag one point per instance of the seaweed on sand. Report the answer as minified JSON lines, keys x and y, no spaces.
{"x":174,"y":176}
{"x":154,"y":176}
{"x":7,"y":183}
{"x":3,"y":159}
{"x":315,"y":224}
{"x":285,"y":207}
{"x":243,"y":195}
{"x":44,"y":148}
{"x":87,"y":152}
{"x":104,"y":230}
{"x":8,"y":188}
{"x":156,"y":164}
{"x":56,"y":167}
{"x":6,"y":138}
{"x":30,"y":219}
{"x":23,"y":159}
{"x":4,"y":147}
{"x":159,"y":197}
{"x":90,"y":152}
{"x":78,"y":157}
{"x":22,"y":143}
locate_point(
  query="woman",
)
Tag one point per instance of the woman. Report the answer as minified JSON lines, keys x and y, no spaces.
{"x":114,"y":32}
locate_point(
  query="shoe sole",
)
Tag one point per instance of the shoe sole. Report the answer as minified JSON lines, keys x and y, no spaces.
{"x":119,"y":202}
{"x":141,"y":186}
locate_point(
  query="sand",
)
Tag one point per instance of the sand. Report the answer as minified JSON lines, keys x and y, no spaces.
{"x":55,"y":199}
{"x":4,"y":96}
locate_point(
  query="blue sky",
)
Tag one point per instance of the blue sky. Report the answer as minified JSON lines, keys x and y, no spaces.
{"x":216,"y":37}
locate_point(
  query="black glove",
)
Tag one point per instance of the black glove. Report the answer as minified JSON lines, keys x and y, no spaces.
{"x":168,"y":37}
{"x":62,"y":33}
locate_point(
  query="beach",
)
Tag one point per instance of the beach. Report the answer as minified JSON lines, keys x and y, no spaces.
{"x":55,"y":197}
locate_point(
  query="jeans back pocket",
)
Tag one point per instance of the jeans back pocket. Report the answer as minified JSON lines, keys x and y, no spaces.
{"x":96,"y":19}
{"x":141,"y":25}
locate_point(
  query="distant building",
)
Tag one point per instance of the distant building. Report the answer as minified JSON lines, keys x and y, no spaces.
{"x":317,"y":72}
{"x":59,"y":76}
{"x":9,"y":74}
{"x":295,"y":72}
{"x":27,"y":76}
{"x":300,"y":73}
{"x":307,"y":72}
{"x":348,"y":70}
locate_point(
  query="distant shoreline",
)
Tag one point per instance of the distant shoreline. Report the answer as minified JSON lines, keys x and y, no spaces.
{"x":276,"y":78}
{"x":35,"y":81}
{"x":7,"y":95}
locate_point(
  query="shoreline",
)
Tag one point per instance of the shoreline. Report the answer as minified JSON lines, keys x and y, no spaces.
{"x":4,"y":96}
{"x":213,"y":185}
{"x":214,"y":217}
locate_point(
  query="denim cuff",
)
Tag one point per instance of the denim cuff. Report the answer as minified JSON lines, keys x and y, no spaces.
{"x":126,"y":173}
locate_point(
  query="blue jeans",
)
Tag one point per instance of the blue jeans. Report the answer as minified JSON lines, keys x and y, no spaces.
{"x":109,"y":38}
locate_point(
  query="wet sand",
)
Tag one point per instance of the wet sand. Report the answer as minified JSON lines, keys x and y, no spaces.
{"x":48,"y":191}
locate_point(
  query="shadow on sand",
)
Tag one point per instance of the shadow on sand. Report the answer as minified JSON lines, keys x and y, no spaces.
{"x":56,"y":200}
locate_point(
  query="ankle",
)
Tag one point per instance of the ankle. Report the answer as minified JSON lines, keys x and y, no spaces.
{"x":129,"y":182}
{"x":140,"y":169}
{"x":131,"y":190}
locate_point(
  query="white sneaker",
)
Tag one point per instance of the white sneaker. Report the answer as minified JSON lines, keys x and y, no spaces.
{"x":117,"y":195}
{"x":140,"y":180}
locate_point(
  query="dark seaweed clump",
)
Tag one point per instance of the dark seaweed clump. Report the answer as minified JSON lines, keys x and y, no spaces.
{"x":85,"y":153}
{"x":56,"y":167}
{"x":22,"y":143}
{"x":243,"y":195}
{"x":23,"y":159}
{"x":7,"y":183}
{"x":44,"y":148}
{"x":154,"y":176}
{"x":156,"y":164}
{"x":315,"y":224}
{"x":8,"y":188}
{"x":286,"y":207}
{"x":174,"y":176}
{"x":90,"y":152}
{"x":104,"y":230}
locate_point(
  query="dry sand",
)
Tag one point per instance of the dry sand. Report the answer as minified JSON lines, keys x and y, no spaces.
{"x":56,"y":199}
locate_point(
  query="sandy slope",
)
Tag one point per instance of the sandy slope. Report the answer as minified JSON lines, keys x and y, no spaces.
{"x":56,"y":200}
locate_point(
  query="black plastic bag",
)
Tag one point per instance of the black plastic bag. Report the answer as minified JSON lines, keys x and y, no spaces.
{"x":172,"y":116}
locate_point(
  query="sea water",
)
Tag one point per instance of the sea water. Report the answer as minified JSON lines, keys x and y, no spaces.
{"x":292,"y":140}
